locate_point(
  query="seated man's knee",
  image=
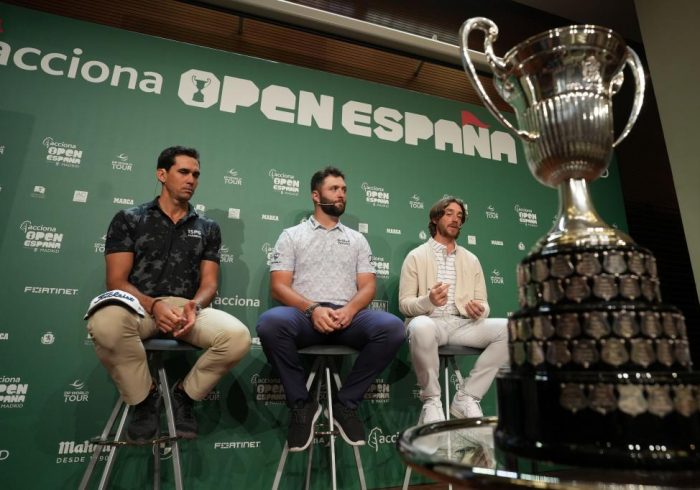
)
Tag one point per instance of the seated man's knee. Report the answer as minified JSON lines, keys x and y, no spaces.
{"x":237,"y":342}
{"x":421,"y":329}
{"x":269,"y":323}
{"x":107,"y":324}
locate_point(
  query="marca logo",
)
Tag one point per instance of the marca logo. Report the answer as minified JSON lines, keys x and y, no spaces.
{"x":127,"y":201}
{"x":376,"y":196}
{"x":467,"y":136}
{"x":224,"y":256}
{"x":497,"y":243}
{"x":232,"y":178}
{"x":237,"y":445}
{"x":40,"y":238}
{"x":57,"y":152}
{"x":234,"y":213}
{"x":39,"y":192}
{"x":377,"y":438}
{"x":381,"y":266}
{"x":378,"y":392}
{"x":13,"y":392}
{"x":283,"y":183}
{"x":48,"y":338}
{"x":80,"y":196}
{"x":76,"y":393}
{"x":393,"y":231}
{"x":363,"y":228}
{"x":121,"y":162}
{"x":268,"y":391}
{"x":100,"y":245}
{"x":378,"y":305}
{"x":491,"y":212}
{"x":416,"y":202}
{"x":56,"y":291}
{"x":237,"y":301}
{"x":270,"y":217}
{"x":525,"y":216}
{"x":496,"y":277}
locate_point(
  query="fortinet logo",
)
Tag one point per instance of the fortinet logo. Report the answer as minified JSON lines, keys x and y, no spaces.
{"x":52,"y":291}
{"x":237,"y":445}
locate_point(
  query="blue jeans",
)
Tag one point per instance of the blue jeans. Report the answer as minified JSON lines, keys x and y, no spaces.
{"x":377,"y":336}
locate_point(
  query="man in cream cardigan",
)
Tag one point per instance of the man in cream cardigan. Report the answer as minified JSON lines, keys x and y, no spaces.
{"x":442,"y":293}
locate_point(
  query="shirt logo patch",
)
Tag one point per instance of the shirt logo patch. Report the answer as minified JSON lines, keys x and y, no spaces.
{"x":191,"y":233}
{"x":343,"y":241}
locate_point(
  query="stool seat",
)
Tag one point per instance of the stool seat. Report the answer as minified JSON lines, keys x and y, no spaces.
{"x":327,"y":350}
{"x":154,"y":347}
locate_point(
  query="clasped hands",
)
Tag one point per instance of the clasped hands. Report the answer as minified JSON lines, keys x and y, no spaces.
{"x":327,"y":320}
{"x":174,"y":319}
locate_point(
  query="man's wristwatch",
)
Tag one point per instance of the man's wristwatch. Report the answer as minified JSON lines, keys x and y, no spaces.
{"x":310,"y":309}
{"x":197,"y":308}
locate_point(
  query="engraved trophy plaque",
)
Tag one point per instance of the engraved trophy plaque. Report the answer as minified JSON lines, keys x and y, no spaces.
{"x":615,"y":385}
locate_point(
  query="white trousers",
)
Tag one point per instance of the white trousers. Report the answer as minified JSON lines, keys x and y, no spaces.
{"x":426,"y":334}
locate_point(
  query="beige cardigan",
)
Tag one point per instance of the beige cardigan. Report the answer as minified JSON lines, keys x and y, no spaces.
{"x":419,"y":274}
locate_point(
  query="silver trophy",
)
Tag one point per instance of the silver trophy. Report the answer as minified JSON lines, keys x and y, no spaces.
{"x":602,"y":364}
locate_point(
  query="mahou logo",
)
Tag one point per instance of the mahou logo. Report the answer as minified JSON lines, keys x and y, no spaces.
{"x":41,"y":238}
{"x":62,"y":154}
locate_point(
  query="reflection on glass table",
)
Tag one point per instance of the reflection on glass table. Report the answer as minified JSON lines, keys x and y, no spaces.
{"x":462,"y":452}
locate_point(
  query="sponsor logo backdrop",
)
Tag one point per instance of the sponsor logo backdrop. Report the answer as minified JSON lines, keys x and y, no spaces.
{"x":85,"y":111}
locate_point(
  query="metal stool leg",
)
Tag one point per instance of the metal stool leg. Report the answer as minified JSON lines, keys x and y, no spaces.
{"x":356,"y":450}
{"x":169,"y":416}
{"x":329,"y":397}
{"x":103,"y":437}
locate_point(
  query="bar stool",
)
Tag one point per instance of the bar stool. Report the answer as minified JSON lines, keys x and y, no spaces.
{"x":154,"y":349}
{"x":324,"y":367}
{"x":447,"y":355}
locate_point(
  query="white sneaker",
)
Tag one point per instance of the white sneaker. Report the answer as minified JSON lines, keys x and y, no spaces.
{"x":431,"y":412}
{"x":465,"y":407}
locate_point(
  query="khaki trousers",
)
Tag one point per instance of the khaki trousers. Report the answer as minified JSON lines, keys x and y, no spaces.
{"x":426,"y":333}
{"x":117,"y":332}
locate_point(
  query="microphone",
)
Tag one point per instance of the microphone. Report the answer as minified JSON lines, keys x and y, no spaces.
{"x":327,"y":203}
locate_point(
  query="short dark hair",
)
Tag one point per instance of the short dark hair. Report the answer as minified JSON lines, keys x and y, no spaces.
{"x":166,"y":159}
{"x":318,"y":178}
{"x":438,"y":211}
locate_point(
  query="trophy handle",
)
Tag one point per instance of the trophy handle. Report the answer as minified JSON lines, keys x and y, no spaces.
{"x":640,"y":81}
{"x":490,"y":31}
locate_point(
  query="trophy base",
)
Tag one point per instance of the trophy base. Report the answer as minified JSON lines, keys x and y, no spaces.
{"x":632,"y":432}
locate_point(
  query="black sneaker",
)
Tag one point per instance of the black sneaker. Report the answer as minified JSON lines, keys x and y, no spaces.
{"x":145,"y":419}
{"x":183,"y":405}
{"x":349,"y":424}
{"x":302,"y":419}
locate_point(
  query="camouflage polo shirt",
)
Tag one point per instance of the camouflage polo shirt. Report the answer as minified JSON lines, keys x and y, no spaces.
{"x":167,"y":255}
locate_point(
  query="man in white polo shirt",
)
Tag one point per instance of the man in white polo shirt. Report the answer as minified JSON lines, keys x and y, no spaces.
{"x":442,"y":292}
{"x":321,"y":272}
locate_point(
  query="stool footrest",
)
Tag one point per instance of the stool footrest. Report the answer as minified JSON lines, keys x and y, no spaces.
{"x":152,"y":442}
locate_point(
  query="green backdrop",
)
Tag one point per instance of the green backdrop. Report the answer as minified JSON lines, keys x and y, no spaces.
{"x":85,"y":110}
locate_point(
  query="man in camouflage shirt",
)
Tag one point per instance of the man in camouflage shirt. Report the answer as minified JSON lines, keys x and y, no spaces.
{"x":166,"y":256}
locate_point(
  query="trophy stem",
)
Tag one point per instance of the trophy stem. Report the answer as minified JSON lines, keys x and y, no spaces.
{"x":578,"y":225}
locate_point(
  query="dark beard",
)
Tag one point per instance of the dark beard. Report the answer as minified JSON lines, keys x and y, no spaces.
{"x":331,"y":210}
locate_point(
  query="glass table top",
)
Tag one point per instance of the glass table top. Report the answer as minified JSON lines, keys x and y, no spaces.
{"x":462,"y":452}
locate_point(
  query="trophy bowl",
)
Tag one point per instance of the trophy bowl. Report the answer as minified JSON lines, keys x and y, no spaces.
{"x":600,"y":369}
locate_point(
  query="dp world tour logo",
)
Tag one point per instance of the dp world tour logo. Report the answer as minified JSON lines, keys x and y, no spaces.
{"x":416,"y":202}
{"x":377,"y":438}
{"x":496,"y":277}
